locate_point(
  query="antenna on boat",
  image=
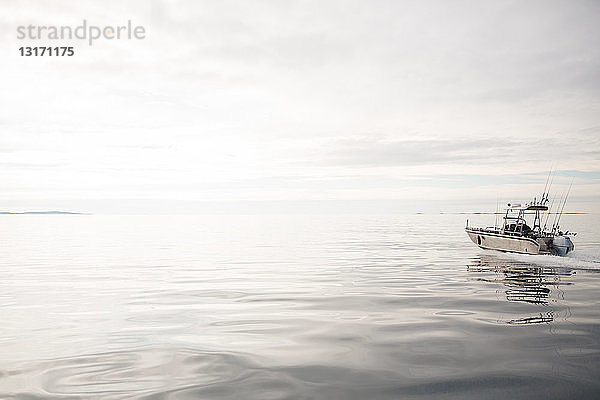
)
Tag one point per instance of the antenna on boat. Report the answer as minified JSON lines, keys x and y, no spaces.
{"x":565,"y":202}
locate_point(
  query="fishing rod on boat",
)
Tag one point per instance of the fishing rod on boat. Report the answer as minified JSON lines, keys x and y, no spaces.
{"x":549,"y":211}
{"x":565,"y":202}
{"x":560,"y":200}
{"x":545,"y":193}
{"x":550,"y":186}
{"x":551,"y":182}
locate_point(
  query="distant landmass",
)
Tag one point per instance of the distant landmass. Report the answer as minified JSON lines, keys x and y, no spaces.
{"x":39,"y":212}
{"x":502,"y":213}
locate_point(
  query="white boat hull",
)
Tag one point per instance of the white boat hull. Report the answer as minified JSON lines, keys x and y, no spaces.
{"x":502,"y":242}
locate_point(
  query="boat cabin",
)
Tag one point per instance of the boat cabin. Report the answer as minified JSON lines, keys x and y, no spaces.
{"x":514,"y":219}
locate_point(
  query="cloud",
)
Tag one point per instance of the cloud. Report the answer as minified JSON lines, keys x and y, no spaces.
{"x":482,"y":153}
{"x":293,"y":99}
{"x":378,"y":152}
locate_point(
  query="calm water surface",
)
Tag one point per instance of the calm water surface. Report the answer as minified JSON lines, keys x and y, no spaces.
{"x":296,"y":307}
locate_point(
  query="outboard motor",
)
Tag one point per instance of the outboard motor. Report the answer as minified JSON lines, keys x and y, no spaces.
{"x":562,"y":245}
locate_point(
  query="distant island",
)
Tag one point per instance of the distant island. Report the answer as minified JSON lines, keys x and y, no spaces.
{"x":39,"y":212}
{"x":502,"y":213}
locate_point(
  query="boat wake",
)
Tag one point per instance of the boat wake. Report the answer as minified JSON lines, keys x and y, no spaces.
{"x":584,"y":259}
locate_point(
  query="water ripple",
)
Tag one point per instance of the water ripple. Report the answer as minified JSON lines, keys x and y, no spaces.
{"x":320,"y":307}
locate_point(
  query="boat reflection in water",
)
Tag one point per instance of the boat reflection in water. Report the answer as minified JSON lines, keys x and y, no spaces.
{"x":524,"y":282}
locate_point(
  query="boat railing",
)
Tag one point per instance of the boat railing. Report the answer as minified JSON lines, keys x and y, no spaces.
{"x":492,"y":229}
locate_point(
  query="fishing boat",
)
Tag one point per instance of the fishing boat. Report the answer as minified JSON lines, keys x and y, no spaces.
{"x":517,"y":236}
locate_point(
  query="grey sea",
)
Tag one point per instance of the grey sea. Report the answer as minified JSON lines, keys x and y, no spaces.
{"x":292,"y":307}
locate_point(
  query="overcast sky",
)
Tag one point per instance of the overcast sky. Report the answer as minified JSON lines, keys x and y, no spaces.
{"x":378,"y":103}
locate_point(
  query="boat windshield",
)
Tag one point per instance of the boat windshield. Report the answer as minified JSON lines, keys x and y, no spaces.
{"x":514,"y":221}
{"x":514,"y":227}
